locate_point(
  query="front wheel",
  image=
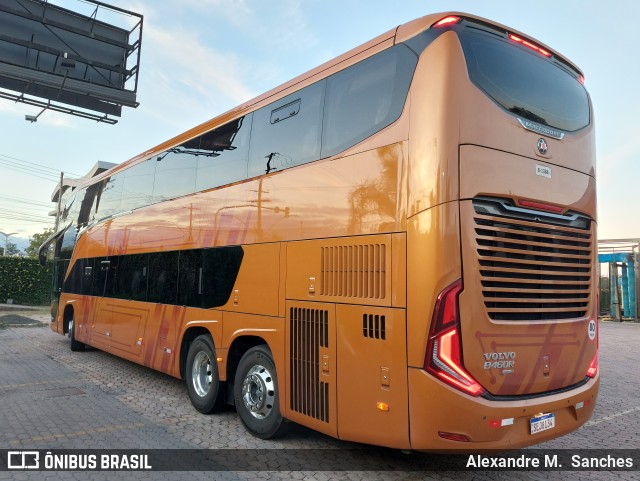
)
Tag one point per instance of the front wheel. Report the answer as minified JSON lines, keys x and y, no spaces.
{"x":203,"y":383}
{"x":75,"y":345}
{"x":256,"y":393}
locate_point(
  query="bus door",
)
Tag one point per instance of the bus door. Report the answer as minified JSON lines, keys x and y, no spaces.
{"x":60,"y":267}
{"x":129,"y":314}
{"x":105,"y":269}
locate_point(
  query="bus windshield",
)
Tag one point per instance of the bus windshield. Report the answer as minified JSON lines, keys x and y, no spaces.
{"x":525,"y":83}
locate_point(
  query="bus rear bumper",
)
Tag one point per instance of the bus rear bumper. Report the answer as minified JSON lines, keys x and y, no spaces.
{"x":436,"y":409}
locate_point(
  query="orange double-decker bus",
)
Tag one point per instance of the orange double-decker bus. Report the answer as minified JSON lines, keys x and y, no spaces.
{"x":397,"y":247}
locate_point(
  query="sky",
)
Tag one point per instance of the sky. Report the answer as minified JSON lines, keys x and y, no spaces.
{"x":201,"y":58}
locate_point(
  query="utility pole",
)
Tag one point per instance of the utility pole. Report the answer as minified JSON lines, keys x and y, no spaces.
{"x":59,"y":210}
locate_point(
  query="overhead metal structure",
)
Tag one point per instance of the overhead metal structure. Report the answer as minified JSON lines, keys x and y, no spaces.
{"x":62,"y":60}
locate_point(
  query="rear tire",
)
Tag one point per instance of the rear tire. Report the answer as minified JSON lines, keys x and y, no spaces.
{"x":76,"y":346}
{"x":203,"y":382}
{"x":256,"y":393}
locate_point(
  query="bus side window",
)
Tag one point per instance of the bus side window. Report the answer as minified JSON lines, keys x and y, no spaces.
{"x":163,"y":277}
{"x":132,"y":277}
{"x":365,"y":98}
{"x":87,"y":276}
{"x":101,"y":267}
{"x":223,"y":154}
{"x":110,"y":196}
{"x":287,"y":132}
{"x":111,"y":284}
{"x":221,"y":266}
{"x":190,"y":278}
{"x":73,"y":284}
{"x":137,"y":185}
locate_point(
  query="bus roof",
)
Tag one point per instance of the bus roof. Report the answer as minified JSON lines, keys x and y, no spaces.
{"x":395,"y":35}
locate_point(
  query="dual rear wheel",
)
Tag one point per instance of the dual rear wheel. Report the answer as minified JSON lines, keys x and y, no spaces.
{"x":255,"y":387}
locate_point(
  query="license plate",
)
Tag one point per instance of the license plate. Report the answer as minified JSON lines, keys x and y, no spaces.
{"x":542,"y":423}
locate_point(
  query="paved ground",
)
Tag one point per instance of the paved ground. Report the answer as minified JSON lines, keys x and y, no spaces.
{"x":52,"y":398}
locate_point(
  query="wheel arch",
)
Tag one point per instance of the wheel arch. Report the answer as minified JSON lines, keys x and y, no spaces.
{"x":187,"y":338}
{"x":238,"y":348}
{"x":67,"y":316}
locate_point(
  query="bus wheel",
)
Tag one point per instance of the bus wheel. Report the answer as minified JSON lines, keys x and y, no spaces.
{"x":202,"y":378}
{"x":256,"y":393}
{"x":75,"y":345}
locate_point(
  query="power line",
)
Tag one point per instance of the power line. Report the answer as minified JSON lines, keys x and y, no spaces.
{"x":36,"y":208}
{"x":24,"y":215}
{"x":22,"y":171}
{"x":21,"y":200}
{"x":52,"y":169}
{"x":24,"y":219}
{"x":28,"y":168}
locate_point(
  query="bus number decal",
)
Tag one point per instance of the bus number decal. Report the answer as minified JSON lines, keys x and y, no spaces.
{"x":543,"y":171}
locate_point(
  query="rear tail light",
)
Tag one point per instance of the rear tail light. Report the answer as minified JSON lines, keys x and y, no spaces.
{"x":443,"y":358}
{"x":530,"y":45}
{"x":446,"y":21}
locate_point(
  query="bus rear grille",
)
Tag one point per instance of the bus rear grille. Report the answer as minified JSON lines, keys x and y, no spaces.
{"x":354,"y":271}
{"x":533,"y":265}
{"x":309,"y":332}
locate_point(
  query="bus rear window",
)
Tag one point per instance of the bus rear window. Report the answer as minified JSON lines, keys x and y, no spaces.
{"x":525,"y":83}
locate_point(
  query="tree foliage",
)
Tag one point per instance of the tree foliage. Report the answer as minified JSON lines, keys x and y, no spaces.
{"x":36,"y":240}
{"x":12,"y":249}
{"x":25,"y":281}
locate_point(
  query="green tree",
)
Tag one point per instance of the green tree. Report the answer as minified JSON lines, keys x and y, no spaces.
{"x":12,"y":249}
{"x":36,"y":240}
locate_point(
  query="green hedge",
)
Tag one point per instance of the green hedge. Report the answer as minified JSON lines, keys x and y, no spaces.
{"x":25,"y":281}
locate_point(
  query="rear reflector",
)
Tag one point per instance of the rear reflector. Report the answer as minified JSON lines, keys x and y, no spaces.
{"x":463,"y":438}
{"x":450,"y":20}
{"x":593,"y":367}
{"x":530,"y":45}
{"x":498,"y":423}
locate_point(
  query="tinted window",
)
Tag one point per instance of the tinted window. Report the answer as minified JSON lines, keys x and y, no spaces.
{"x":68,"y":242}
{"x":163,"y":277}
{"x":89,"y":203}
{"x":59,"y":271}
{"x":111,"y":284}
{"x":221,"y":268}
{"x":175,"y":173}
{"x":525,"y":83}
{"x":223,"y":154}
{"x":365,"y":98}
{"x":80,"y":279}
{"x":137,"y":185}
{"x":101,"y":269}
{"x":132,"y":277}
{"x":68,"y":208}
{"x":87,"y":271}
{"x":190,"y":278}
{"x":111,"y":195}
{"x":73,"y":282}
{"x":287,"y":132}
